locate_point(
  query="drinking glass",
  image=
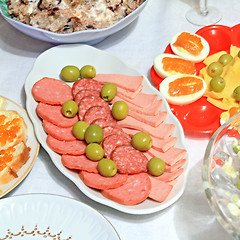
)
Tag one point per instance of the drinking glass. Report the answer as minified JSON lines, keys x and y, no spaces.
{"x":203,"y":15}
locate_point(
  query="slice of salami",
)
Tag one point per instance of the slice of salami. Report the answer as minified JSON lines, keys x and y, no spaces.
{"x":102,"y":122}
{"x":114,"y":130}
{"x":86,"y":83}
{"x":60,"y":133}
{"x":96,"y":112}
{"x":51,"y":91}
{"x":84,"y":93}
{"x":97,"y":181}
{"x":79,"y":163}
{"x":112,"y":141}
{"x":134,"y":191}
{"x":88,"y":102}
{"x":129,"y":160}
{"x":53,"y":114}
{"x":75,"y":147}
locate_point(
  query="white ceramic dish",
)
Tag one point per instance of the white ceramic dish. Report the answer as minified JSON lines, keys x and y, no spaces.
{"x":50,"y":64}
{"x":40,"y":216}
{"x":88,"y":36}
{"x":31,"y":142}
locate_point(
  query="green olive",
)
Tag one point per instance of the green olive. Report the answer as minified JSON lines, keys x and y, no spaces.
{"x":94,"y":152}
{"x":141,"y":141}
{"x":79,"y":129}
{"x":93,"y":134}
{"x":69,"y":108}
{"x":120,"y":110}
{"x":217,"y":84}
{"x":70,"y":73}
{"x":239,"y":54}
{"x":236,"y":93}
{"x":107,"y":167}
{"x":109,"y":91}
{"x":215,"y":69}
{"x":225,"y":59}
{"x":88,"y":71}
{"x":156,"y":166}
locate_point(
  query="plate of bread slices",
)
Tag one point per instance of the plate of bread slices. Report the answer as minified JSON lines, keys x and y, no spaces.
{"x":18,"y":145}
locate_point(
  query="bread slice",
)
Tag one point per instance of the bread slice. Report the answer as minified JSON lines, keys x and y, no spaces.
{"x":11,"y":160}
{"x":13,"y":129}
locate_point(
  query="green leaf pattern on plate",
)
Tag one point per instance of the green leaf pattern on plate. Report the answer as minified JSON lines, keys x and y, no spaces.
{"x":4,"y":7}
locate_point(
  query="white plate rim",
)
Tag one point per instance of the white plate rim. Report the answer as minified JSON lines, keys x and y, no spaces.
{"x":37,"y":197}
{"x":26,"y":168}
{"x":31,"y":79}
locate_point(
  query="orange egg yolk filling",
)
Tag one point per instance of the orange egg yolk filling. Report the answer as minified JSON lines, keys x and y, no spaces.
{"x":190,"y":43}
{"x":185,"y":86}
{"x":8,"y":130}
{"x":178,"y":65}
{"x":5,"y":157}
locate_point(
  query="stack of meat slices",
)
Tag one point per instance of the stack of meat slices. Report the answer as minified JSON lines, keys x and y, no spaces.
{"x":132,"y":184}
{"x":13,"y":150}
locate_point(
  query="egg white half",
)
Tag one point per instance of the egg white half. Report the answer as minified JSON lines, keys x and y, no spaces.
{"x":184,"y":99}
{"x":184,"y":54}
{"x":158,"y":65}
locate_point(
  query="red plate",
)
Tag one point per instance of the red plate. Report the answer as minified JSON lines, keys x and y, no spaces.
{"x":201,"y":118}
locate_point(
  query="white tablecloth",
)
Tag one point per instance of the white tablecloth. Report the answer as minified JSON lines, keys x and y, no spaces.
{"x":190,"y":217}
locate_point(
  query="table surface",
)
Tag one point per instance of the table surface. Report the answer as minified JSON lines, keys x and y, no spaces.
{"x":190,"y":217}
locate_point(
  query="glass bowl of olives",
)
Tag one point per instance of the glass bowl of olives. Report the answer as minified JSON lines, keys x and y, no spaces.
{"x":88,"y":36}
{"x":221,"y":175}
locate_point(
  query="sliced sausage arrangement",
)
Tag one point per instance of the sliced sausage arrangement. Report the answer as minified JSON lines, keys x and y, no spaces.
{"x":132,"y":184}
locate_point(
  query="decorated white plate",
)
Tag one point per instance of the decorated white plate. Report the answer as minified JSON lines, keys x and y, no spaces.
{"x":52,"y":217}
{"x":49,"y":64}
{"x":31,"y":142}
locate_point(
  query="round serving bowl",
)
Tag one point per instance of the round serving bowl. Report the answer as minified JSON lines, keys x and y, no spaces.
{"x":90,"y":37}
{"x":220,"y":174}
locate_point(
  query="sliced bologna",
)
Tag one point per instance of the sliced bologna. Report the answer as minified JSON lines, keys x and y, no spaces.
{"x":112,"y":141}
{"x":130,"y":83}
{"x":84,"y":93}
{"x":53,"y":114}
{"x":114,"y":130}
{"x":163,"y":130}
{"x":88,"y":102}
{"x":80,"y":162}
{"x":175,"y":166}
{"x":60,"y":133}
{"x":129,"y":160}
{"x":159,"y":190}
{"x":75,"y":147}
{"x":170,"y":176}
{"x":97,"y":181}
{"x":134,"y":191}
{"x":86,"y":83}
{"x":129,"y":94}
{"x":51,"y":91}
{"x":96,"y":112}
{"x":102,"y":122}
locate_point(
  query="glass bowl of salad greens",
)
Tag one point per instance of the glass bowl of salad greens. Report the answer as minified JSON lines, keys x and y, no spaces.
{"x":221,"y":175}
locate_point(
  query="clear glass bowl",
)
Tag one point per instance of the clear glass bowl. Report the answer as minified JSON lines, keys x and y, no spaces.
{"x":220,"y":173}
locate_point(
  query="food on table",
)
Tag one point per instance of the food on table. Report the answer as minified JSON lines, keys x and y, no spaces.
{"x":215,"y":69}
{"x":14,"y":152}
{"x":182,"y":89}
{"x":217,"y":84}
{"x":167,"y":64}
{"x":88,"y":71}
{"x":231,"y":74}
{"x":69,"y":108}
{"x":109,"y":91}
{"x":225,"y":59}
{"x":120,"y":110}
{"x":68,"y":17}
{"x":236,"y":93}
{"x":78,"y":130}
{"x":107,"y":167}
{"x":114,"y":137}
{"x":156,"y":166}
{"x":226,"y":115}
{"x":93,"y":134}
{"x":70,"y":73}
{"x":142,"y":141}
{"x":190,"y":46}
